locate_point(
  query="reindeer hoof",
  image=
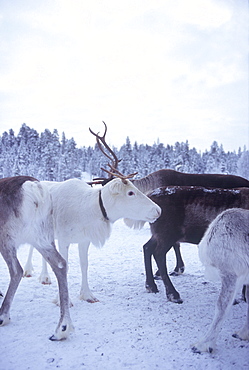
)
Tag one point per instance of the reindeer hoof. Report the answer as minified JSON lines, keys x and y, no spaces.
{"x":174,"y":273}
{"x":92,"y":300}
{"x":151,"y":289}
{"x":4,"y":321}
{"x":62,"y":332}
{"x":54,"y":339}
{"x":178,"y":271}
{"x":197,"y":350}
{"x":26,"y":274}
{"x":88,"y":297}
{"x":45,"y":281}
{"x":171,"y":298}
{"x":235,"y":335}
{"x":241,"y":335}
{"x":179,"y":301}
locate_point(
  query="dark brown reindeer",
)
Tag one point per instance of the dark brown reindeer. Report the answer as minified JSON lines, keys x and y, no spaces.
{"x":186,"y":213}
{"x":167,"y":177}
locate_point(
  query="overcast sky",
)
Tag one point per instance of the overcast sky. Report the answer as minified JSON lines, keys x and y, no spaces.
{"x":172,"y":70}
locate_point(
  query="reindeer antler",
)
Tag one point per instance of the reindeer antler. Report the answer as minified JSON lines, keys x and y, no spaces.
{"x":114,"y":160}
{"x":118,"y":174}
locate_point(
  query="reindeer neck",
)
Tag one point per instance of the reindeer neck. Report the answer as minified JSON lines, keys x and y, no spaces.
{"x":101,"y":205}
{"x":107,"y":205}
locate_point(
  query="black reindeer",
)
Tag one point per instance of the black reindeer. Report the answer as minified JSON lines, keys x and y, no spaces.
{"x":167,"y":177}
{"x":186,"y":213}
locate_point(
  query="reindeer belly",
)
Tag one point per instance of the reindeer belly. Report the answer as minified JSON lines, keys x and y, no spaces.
{"x":196,"y":221}
{"x":71,"y":234}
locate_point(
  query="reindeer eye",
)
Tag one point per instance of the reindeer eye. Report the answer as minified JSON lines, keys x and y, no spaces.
{"x":131,"y":193}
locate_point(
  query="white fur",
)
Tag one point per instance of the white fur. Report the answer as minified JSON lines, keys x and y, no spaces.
{"x":32,"y":223}
{"x":79,"y":219}
{"x":134,"y":224}
{"x":225,"y":249}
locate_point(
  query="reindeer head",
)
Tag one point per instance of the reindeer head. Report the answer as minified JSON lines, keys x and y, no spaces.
{"x":121,"y":199}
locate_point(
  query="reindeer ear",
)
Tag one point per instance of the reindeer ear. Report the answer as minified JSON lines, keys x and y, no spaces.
{"x":116,"y":186}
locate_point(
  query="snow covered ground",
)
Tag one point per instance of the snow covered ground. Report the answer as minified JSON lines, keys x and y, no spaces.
{"x":128,"y":328}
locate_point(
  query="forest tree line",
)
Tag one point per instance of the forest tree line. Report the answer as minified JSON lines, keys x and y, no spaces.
{"x":46,"y":156}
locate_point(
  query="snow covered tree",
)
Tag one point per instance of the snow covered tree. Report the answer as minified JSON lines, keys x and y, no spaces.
{"x":243,"y":164}
{"x":45,"y":157}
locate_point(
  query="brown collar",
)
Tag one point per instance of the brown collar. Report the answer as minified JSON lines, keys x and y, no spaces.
{"x":102,"y":207}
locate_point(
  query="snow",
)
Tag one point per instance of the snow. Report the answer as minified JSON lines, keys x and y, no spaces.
{"x":129,"y":328}
{"x":162,"y":190}
{"x":173,"y":189}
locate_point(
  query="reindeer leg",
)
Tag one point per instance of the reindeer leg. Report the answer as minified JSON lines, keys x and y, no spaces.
{"x":149,"y":248}
{"x":85,"y":292}
{"x":179,"y":269}
{"x":9,"y":254}
{"x":243,"y":334}
{"x":171,"y":292}
{"x":63,"y":248}
{"x":157,"y":275}
{"x":225,"y":301}
{"x":59,"y":266}
{"x":242,"y":298}
{"x":44,"y":278}
{"x":28,"y":269}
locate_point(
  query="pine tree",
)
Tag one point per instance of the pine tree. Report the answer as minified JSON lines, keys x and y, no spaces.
{"x":243,"y":164}
{"x":45,"y":157}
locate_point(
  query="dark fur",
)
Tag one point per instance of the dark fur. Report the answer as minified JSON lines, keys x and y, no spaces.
{"x":186,"y":213}
{"x":21,"y":223}
{"x":167,"y":177}
{"x":11,"y":196}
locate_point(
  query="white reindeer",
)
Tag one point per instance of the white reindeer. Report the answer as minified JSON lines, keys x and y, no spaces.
{"x":225,"y":249}
{"x":26,"y":217}
{"x":84,"y":215}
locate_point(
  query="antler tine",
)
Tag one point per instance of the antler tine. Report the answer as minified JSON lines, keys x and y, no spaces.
{"x":119,"y":174}
{"x":102,"y":150}
{"x":101,"y":139}
{"x":97,"y":135}
{"x":114,"y":159}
